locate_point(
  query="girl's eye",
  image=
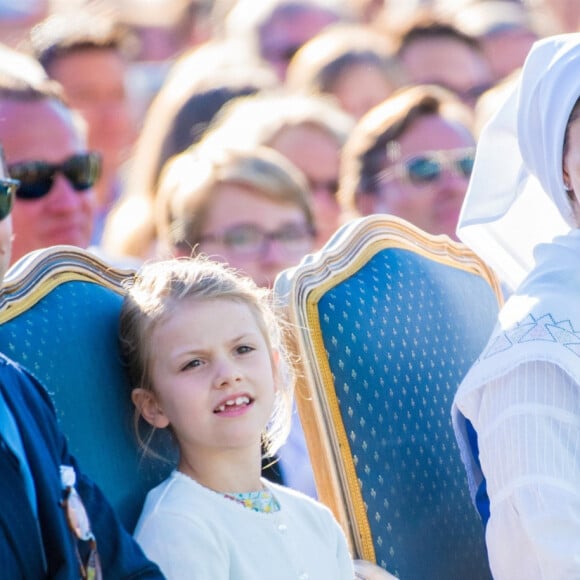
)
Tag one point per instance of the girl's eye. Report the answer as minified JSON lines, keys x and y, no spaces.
{"x":244,"y":349}
{"x":192,"y":364}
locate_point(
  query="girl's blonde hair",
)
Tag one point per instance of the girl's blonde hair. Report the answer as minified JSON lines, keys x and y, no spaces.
{"x":155,"y":294}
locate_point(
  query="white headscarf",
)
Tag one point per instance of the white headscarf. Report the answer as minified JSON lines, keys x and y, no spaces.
{"x":516,"y":196}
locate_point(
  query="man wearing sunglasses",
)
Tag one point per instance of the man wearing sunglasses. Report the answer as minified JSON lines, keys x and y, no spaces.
{"x":54,"y":522}
{"x":87,"y":54}
{"x":411,"y":157}
{"x":46,"y":151}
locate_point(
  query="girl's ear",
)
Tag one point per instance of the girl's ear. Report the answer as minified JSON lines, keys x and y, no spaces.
{"x":147,"y":404}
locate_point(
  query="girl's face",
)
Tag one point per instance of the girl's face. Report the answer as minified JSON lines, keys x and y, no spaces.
{"x":257,"y":235}
{"x":572,"y":165}
{"x":213,"y":377}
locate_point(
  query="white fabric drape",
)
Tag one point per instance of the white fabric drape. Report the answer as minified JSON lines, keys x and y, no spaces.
{"x":516,"y":197}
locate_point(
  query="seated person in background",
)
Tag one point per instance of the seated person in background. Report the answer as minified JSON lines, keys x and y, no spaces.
{"x":45,"y":146}
{"x":251,"y":210}
{"x":276,"y":29}
{"x":205,"y":357}
{"x":164,"y":29}
{"x":196,"y":88}
{"x":86,"y":54}
{"x":351,"y":63}
{"x":411,"y":157}
{"x":504,"y":30}
{"x":432,"y":51}
{"x":308,"y":130}
{"x":517,"y":412}
{"x":37,"y":476}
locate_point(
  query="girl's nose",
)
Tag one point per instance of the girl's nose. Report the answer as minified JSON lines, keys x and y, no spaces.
{"x":227,"y":373}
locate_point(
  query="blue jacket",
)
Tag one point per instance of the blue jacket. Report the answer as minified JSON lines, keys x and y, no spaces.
{"x":46,"y":450}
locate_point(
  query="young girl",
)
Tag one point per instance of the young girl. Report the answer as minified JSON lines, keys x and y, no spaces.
{"x":205,"y":359}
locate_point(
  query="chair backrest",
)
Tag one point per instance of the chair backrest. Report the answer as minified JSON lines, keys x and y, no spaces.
{"x":388,"y":320}
{"x":59,"y":311}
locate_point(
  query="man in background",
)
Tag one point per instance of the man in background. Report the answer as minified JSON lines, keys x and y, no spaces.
{"x":45,"y":147}
{"x":87,"y":54}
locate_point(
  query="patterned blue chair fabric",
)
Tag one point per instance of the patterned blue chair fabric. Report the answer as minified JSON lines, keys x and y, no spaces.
{"x":388,"y":322}
{"x":59,"y":318}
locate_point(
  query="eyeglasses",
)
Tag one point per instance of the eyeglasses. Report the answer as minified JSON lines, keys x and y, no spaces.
{"x":8,"y":189}
{"x":247,"y":240}
{"x":421,"y":170}
{"x":37,"y":177}
{"x":79,"y":524}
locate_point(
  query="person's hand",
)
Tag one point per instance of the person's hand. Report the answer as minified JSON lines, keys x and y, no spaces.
{"x":365,"y":570}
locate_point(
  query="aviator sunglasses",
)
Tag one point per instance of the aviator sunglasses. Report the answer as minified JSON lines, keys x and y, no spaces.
{"x":37,"y":177}
{"x":427,"y":168}
{"x":8,"y":189}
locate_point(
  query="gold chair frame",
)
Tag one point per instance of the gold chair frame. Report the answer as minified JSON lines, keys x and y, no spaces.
{"x":75,"y":375}
{"x":35,"y":275}
{"x":354,"y":245}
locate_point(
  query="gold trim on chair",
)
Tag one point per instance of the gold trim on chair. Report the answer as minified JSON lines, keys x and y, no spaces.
{"x":59,"y":316}
{"x":300,"y":289}
{"x":35,"y":275}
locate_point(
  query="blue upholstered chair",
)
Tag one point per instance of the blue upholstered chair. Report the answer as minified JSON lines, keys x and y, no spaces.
{"x":388,"y":320}
{"x":59,"y":318}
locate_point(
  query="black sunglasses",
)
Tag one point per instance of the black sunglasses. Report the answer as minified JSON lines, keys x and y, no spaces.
{"x":8,"y":189}
{"x":37,"y":177}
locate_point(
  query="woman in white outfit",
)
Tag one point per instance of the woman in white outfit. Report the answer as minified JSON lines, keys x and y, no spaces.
{"x":517,"y":413}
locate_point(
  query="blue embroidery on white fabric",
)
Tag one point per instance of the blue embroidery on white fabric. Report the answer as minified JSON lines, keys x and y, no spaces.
{"x":531,"y":329}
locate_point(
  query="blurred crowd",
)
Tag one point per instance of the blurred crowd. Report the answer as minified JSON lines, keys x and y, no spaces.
{"x":249,"y":130}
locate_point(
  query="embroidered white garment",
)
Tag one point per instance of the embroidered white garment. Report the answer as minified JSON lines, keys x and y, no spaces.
{"x":516,"y":197}
{"x":523,"y":398}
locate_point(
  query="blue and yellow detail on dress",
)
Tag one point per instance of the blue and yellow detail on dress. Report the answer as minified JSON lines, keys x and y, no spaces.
{"x":262,"y":501}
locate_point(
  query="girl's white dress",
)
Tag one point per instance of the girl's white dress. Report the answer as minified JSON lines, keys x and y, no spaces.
{"x":192,"y":532}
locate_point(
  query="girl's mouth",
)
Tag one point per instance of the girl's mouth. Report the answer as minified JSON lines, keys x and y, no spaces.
{"x":234,"y":403}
